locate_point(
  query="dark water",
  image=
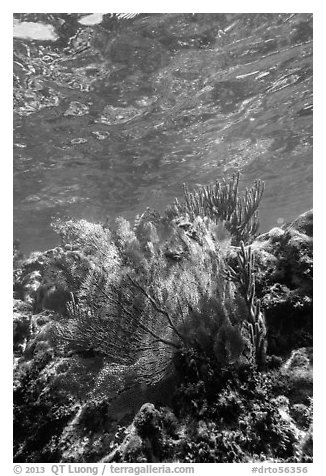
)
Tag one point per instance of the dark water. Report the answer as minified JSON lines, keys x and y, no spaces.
{"x":113,"y":117}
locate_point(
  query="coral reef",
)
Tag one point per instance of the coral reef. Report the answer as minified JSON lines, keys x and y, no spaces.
{"x":163,"y":341}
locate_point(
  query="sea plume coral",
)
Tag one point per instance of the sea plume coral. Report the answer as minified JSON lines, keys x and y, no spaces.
{"x":222,"y":202}
{"x":255,"y":325}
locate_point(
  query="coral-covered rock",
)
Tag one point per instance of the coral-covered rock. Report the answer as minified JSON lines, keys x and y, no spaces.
{"x":31,"y":333}
{"x":142,"y":442}
{"x":130,"y":450}
{"x":51,"y":297}
{"x":306,"y":446}
{"x":22,"y":325}
{"x":304,"y":223}
{"x":29,"y":275}
{"x":295,"y":381}
{"x":151,"y":437}
{"x":301,"y":415}
{"x":27,"y":285}
{"x":284,"y":273}
{"x":46,"y":279}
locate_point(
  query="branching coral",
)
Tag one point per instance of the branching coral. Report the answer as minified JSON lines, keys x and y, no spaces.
{"x":255,"y":325}
{"x":221,"y":202}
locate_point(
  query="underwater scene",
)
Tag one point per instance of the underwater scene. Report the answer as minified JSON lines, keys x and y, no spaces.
{"x":113,"y":114}
{"x":163,"y":241}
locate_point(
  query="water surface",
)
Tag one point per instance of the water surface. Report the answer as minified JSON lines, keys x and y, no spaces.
{"x":113,"y":115}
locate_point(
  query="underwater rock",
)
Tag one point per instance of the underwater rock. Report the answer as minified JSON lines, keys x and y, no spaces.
{"x":148,"y":438}
{"x":300,"y":359}
{"x":131,"y":447}
{"x":26,"y":285}
{"x":284,"y":274}
{"x":31,"y":333}
{"x":292,"y":246}
{"x":284,"y":283}
{"x":306,"y":446}
{"x":304,"y":223}
{"x":29,"y":276}
{"x":42,"y":279}
{"x":22,"y":326}
{"x":295,"y":380}
{"x":51,"y":297}
{"x":297,"y":376}
{"x":300,"y":414}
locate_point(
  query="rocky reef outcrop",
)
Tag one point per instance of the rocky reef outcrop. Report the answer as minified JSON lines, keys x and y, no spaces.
{"x":157,"y":434}
{"x":284,"y":283}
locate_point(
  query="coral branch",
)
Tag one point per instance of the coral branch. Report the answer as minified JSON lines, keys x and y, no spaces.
{"x":255,"y":324}
{"x":221,"y":202}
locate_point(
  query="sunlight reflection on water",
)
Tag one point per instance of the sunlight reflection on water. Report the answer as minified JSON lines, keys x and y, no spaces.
{"x":113,"y":117}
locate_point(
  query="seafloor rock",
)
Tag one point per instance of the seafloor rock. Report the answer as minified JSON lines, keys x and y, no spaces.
{"x":147,"y":438}
{"x":31,"y":333}
{"x":306,"y":447}
{"x":284,"y":282}
{"x":156,"y":434}
{"x":41,"y":281}
{"x":29,"y":276}
{"x":27,"y":284}
{"x":296,"y":377}
{"x":52,"y":297}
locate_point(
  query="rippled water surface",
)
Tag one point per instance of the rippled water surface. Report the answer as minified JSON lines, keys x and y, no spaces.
{"x":112,"y":115}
